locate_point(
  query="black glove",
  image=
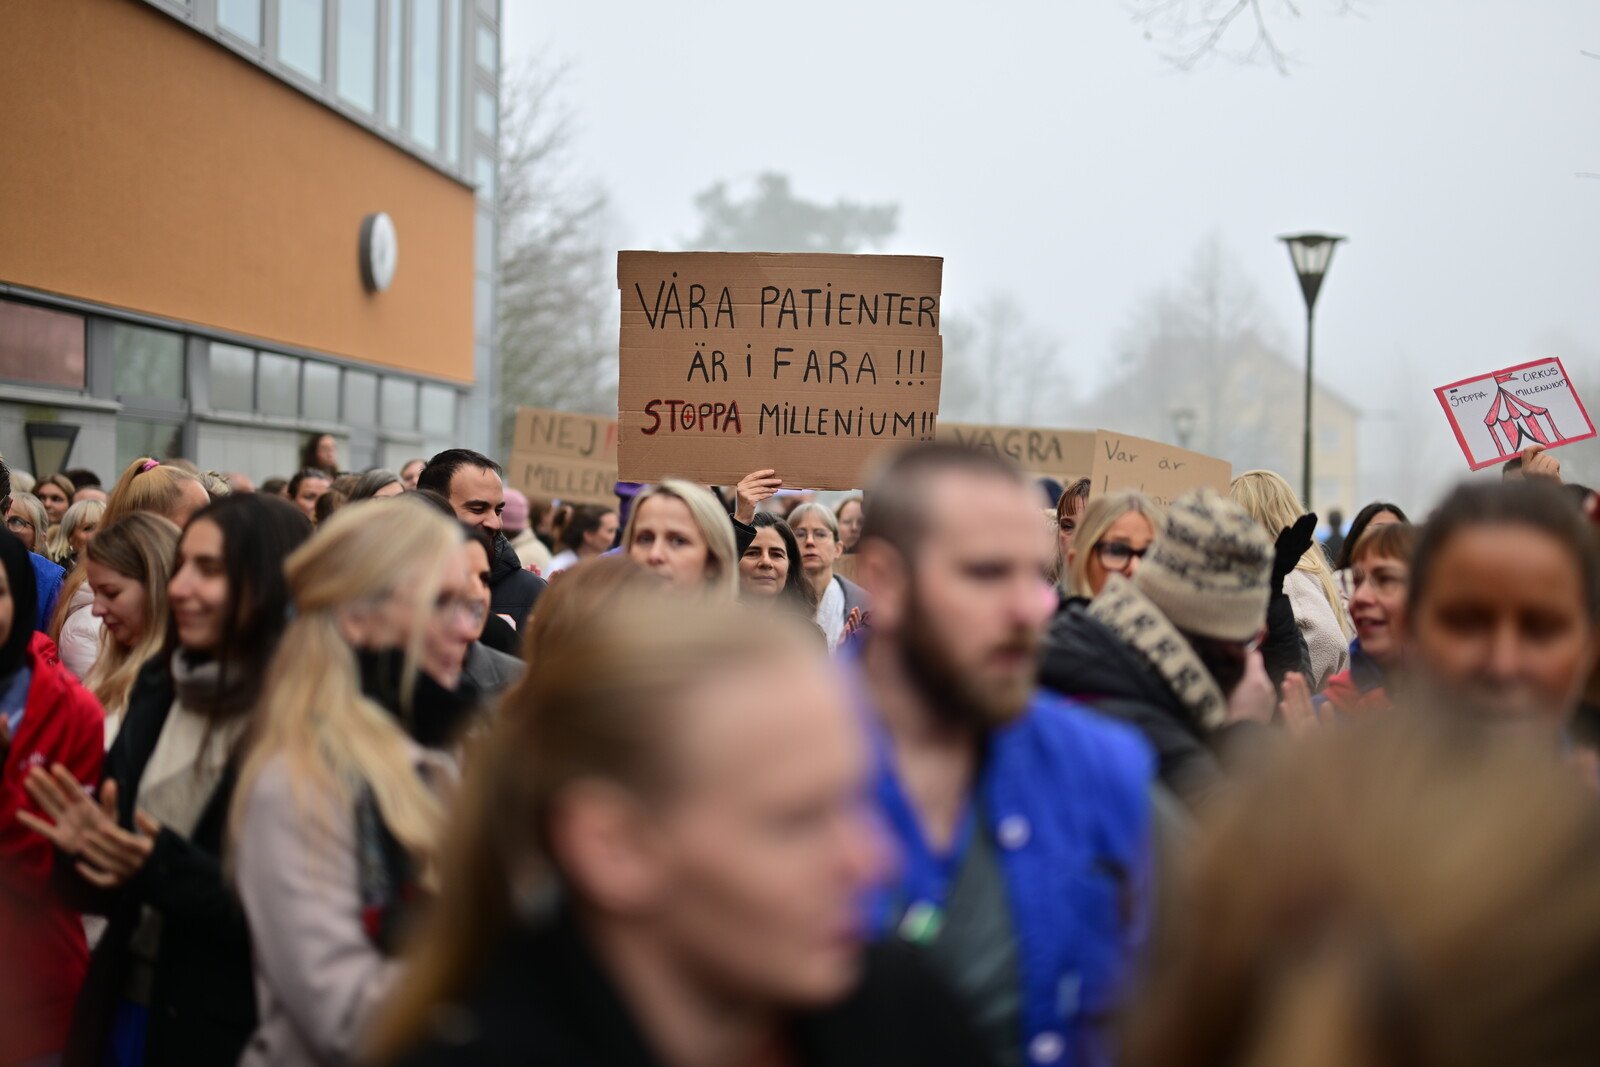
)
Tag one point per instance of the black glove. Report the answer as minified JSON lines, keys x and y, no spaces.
{"x":1293,"y":542}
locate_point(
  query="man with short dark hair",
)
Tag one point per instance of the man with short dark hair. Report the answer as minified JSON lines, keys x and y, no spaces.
{"x":470,"y":481}
{"x":1023,"y":821}
{"x":47,"y":577}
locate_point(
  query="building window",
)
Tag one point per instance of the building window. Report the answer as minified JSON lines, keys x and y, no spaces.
{"x":1329,"y":439}
{"x":278,"y":385}
{"x":452,"y":79}
{"x":484,"y":166}
{"x":391,"y":105}
{"x":488,"y":49}
{"x":360,"y":398}
{"x":358,"y":52}
{"x":487,"y":7}
{"x":233,"y":377}
{"x":485,"y":114}
{"x":399,"y":404}
{"x":242,"y":18}
{"x":425,"y":72}
{"x":40,"y":345}
{"x":438,"y":410}
{"x":320,"y":392}
{"x":300,"y":36}
{"x":160,"y":438}
{"x":148,"y":363}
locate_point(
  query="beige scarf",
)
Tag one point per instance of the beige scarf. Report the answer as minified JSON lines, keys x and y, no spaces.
{"x":1131,"y":615}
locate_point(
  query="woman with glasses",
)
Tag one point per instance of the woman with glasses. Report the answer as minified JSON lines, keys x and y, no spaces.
{"x":816,"y":529}
{"x":336,"y":819}
{"x":27,"y":521}
{"x":1113,"y":534}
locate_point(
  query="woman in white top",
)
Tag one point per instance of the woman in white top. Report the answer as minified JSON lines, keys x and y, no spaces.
{"x":590,"y":532}
{"x":129,"y":565}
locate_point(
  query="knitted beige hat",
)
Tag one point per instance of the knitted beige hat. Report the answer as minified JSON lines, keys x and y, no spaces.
{"x":1208,"y":570}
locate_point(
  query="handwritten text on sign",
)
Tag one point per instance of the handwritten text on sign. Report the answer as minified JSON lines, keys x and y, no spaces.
{"x":1496,"y":415}
{"x":808,"y":364}
{"x":558,"y":455}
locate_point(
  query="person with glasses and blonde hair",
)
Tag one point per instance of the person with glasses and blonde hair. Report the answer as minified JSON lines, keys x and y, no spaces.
{"x":336,"y":819}
{"x":1113,"y":534}
{"x":680,"y":531}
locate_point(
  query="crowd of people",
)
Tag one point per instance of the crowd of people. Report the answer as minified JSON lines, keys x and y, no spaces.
{"x":403,"y":767}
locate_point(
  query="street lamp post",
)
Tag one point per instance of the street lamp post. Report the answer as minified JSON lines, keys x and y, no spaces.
{"x":1311,"y":253}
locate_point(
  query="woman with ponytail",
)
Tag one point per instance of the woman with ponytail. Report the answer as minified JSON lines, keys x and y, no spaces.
{"x":337,"y":816}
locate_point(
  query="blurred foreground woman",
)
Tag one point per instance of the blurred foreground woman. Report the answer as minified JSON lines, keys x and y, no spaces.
{"x":659,"y":861}
{"x":1404,"y":891}
{"x":337,"y":813}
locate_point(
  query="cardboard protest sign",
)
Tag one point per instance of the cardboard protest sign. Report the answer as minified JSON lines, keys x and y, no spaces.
{"x":558,"y":455}
{"x":1111,"y":461}
{"x":808,"y":364}
{"x":1496,"y":415}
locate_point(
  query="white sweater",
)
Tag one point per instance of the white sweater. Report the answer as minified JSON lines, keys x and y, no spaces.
{"x":1325,"y":641}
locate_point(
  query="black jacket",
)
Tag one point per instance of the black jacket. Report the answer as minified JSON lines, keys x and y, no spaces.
{"x":512,"y":590}
{"x":544,"y":1000}
{"x":202,"y":1004}
{"x":1084,"y":660}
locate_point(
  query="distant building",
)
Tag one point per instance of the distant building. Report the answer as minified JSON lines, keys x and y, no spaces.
{"x":228,"y":224}
{"x":1250,"y":414}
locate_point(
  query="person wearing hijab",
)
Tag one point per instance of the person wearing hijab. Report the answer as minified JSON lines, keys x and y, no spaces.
{"x":46,"y":719}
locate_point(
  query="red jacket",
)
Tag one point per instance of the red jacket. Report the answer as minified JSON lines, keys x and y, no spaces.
{"x":43,"y":955}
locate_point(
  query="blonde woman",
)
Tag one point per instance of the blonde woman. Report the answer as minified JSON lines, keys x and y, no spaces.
{"x":681,"y":532}
{"x":337,"y":814}
{"x":1113,"y":534}
{"x":147,"y":484}
{"x":129,"y":564}
{"x":66,"y":542}
{"x":1318,"y":611}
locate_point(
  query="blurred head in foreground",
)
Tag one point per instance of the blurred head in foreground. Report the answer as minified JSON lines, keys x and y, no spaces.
{"x":1405,"y":891}
{"x":705,"y":826}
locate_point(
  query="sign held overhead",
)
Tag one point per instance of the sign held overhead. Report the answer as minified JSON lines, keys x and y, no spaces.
{"x":1496,"y":415}
{"x":808,"y":364}
{"x":559,"y":455}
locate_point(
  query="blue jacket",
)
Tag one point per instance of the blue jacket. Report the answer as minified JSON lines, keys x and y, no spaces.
{"x":47,"y":578}
{"x":1066,"y":796}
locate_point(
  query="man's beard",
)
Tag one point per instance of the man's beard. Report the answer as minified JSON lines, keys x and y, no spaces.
{"x":960,"y":699}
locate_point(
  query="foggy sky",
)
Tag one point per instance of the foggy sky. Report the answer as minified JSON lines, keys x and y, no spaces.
{"x":1046,"y":149}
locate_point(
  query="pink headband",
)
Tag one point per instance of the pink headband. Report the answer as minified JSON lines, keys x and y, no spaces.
{"x":148,"y":465}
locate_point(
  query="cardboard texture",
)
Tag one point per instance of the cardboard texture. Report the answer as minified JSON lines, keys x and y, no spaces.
{"x":808,"y":364}
{"x":558,"y":455}
{"x":1112,"y":461}
{"x":1496,"y":415}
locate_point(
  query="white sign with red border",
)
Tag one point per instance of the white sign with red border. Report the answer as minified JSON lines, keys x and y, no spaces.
{"x":1496,"y":415}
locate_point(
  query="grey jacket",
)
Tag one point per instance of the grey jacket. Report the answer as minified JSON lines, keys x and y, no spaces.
{"x":319,"y":977}
{"x":491,"y":671}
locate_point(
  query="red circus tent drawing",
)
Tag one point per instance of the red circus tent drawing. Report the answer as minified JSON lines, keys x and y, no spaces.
{"x":1512,"y":420}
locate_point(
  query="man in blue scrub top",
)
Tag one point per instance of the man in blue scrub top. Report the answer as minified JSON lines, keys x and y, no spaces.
{"x":1023,"y":820}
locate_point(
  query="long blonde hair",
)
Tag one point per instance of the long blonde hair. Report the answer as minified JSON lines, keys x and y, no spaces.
{"x":1092,"y":526}
{"x":722,"y":563}
{"x":1272,"y":502}
{"x":141,"y":547}
{"x":77,"y":516}
{"x":604,"y":701}
{"x":313,"y":713}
